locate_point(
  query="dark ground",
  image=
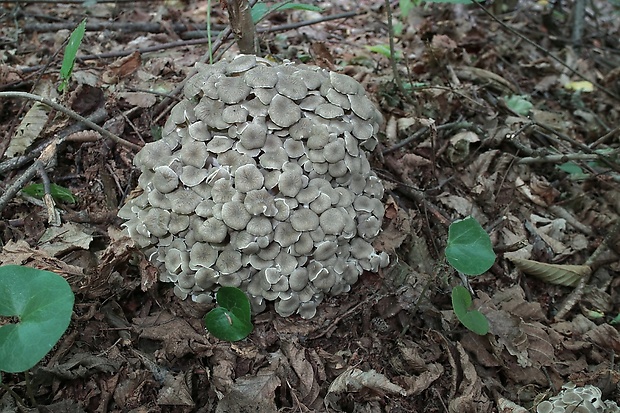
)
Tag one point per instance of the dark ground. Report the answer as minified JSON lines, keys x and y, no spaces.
{"x":451,"y":147}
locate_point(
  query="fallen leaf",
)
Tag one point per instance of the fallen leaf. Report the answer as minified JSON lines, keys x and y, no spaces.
{"x":566,"y":275}
{"x":354,"y":380}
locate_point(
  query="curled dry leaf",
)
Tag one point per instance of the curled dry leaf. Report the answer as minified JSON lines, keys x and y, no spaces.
{"x":566,"y":275}
{"x":354,"y":380}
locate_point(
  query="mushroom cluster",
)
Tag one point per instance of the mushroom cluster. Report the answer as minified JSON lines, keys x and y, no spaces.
{"x":261,"y":182}
{"x":587,"y":399}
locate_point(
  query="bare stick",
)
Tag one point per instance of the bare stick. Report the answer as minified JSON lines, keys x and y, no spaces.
{"x":73,"y":115}
{"x":242,"y":25}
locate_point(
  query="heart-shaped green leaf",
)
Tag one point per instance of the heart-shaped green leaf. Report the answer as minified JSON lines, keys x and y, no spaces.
{"x":41,"y":303}
{"x":474,"y":320}
{"x":231,"y":321}
{"x":469,"y":247}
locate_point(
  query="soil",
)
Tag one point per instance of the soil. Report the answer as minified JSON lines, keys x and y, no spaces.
{"x":497,"y":111}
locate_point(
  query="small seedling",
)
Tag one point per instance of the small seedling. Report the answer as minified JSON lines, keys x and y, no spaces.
{"x":70,"y":53}
{"x":469,"y":251}
{"x":474,"y":320}
{"x":58,"y":192}
{"x":384,"y":50}
{"x":35,"y":311}
{"x":519,"y":104}
{"x":231,"y":321}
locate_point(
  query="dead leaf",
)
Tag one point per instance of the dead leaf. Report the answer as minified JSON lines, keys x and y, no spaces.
{"x":58,"y":240}
{"x":122,"y":67}
{"x":32,"y":123}
{"x":175,"y":392}
{"x":470,"y":397}
{"x":605,"y":336}
{"x":354,"y":380}
{"x":253,"y":393}
{"x":139,"y":99}
{"x":566,"y":275}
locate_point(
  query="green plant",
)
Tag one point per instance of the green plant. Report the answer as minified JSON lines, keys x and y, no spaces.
{"x":231,"y":320}
{"x":35,"y":311}
{"x":70,"y":53}
{"x":469,"y":251}
{"x":59,"y":193}
{"x":518,"y":104}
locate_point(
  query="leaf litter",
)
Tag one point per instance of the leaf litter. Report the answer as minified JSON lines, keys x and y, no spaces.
{"x":453,"y":148}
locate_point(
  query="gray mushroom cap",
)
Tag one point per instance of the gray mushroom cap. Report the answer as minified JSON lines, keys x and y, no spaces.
{"x":261,"y":181}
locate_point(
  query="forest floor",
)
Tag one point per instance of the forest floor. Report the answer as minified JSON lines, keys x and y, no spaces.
{"x":498,"y":115}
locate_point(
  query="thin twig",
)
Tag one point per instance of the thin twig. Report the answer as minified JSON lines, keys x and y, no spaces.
{"x":73,"y":115}
{"x":545,"y":51}
{"x":397,"y":79}
{"x":559,"y":158}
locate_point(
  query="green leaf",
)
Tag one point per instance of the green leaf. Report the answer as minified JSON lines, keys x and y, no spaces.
{"x":574,"y":170}
{"x":406,"y":6}
{"x":231,"y":321}
{"x":469,"y":247}
{"x":519,"y":104}
{"x":384,"y":50}
{"x":59,"y":193}
{"x":260,"y":10}
{"x":41,"y":303}
{"x":70,"y":53}
{"x":474,"y":320}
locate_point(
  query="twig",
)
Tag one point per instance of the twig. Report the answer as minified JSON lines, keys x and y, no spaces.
{"x":422,"y":131}
{"x":73,"y":115}
{"x":545,"y":51}
{"x":397,"y":79}
{"x":114,"y":26}
{"x":559,"y":158}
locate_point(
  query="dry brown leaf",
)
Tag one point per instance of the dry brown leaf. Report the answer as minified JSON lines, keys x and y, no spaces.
{"x":122,"y":67}
{"x":605,"y":336}
{"x":175,"y":392}
{"x":415,"y":385}
{"x":20,"y":253}
{"x":399,"y":228}
{"x":139,"y":99}
{"x":32,"y":123}
{"x":178,"y":336}
{"x":354,"y":380}
{"x":470,"y":397}
{"x":305,"y":383}
{"x":525,"y":190}
{"x":253,"y":393}
{"x":566,"y":275}
{"x":58,"y":240}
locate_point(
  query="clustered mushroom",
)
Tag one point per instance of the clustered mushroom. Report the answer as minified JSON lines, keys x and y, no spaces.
{"x":587,"y":399}
{"x":261,"y":182}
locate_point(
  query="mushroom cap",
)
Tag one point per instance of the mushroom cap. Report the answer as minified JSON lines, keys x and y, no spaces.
{"x":261,"y":181}
{"x":283,"y":111}
{"x":235,"y":215}
{"x":248,"y":178}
